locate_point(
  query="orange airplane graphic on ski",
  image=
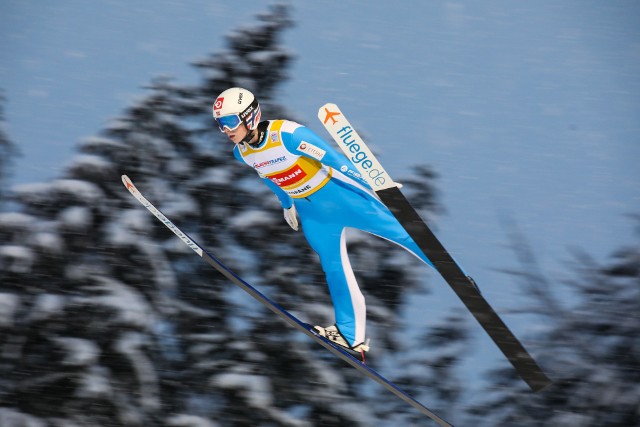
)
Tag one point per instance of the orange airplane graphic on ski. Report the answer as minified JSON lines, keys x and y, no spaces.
{"x":330,"y":116}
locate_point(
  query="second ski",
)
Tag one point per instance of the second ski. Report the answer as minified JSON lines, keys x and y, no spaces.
{"x":463,"y":285}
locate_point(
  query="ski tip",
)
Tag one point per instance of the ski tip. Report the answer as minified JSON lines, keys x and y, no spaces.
{"x":127,"y":182}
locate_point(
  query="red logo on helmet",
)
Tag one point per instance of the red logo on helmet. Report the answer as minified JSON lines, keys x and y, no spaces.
{"x":218,"y":104}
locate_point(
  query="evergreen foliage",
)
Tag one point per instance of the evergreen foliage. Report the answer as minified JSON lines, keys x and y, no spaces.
{"x":8,"y":152}
{"x":591,"y":348}
{"x":109,"y":320}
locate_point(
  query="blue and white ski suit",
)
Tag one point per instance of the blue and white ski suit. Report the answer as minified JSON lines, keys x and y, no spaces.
{"x":329,"y":195}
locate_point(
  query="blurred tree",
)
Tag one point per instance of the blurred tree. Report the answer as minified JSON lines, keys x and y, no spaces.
{"x":591,"y":349}
{"x":8,"y":152}
{"x":108,"y":319}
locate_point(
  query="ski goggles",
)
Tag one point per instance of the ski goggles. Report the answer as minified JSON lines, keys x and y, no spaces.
{"x":231,"y":122}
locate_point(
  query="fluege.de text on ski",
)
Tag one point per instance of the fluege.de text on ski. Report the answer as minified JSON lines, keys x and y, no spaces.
{"x":360,"y":157}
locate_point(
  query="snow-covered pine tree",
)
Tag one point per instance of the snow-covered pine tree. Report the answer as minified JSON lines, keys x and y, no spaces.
{"x":591,"y":347}
{"x":110,"y":320}
{"x":8,"y":152}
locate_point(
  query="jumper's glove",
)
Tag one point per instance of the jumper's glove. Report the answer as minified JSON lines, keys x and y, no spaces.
{"x":291,"y":216}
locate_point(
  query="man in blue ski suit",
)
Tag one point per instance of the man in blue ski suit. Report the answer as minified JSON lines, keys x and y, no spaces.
{"x":314,"y":181}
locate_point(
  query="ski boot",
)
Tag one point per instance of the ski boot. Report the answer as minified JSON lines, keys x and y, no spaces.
{"x":333,"y":334}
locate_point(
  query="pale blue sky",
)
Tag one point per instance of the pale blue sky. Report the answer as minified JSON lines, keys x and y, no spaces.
{"x":525,"y":109}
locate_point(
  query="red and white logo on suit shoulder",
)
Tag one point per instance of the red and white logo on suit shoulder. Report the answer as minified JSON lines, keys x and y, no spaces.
{"x":311,"y":150}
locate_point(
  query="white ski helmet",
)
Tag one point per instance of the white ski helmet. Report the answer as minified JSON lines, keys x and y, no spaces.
{"x":235,"y":106}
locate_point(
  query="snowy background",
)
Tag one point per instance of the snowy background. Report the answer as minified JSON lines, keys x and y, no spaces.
{"x":528,"y":114}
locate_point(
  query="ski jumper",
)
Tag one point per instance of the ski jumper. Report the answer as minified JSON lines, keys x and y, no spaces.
{"x":329,"y":195}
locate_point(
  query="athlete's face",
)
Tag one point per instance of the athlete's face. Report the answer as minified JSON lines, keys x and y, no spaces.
{"x":237,"y":134}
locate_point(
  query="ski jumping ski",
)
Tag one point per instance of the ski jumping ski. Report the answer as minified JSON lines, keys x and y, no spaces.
{"x":463,"y":285}
{"x":281,"y":312}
